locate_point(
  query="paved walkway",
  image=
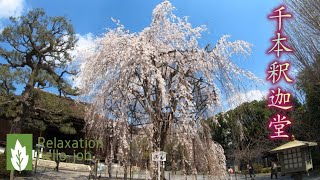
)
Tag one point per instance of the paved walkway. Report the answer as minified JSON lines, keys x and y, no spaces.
{"x":49,"y":174}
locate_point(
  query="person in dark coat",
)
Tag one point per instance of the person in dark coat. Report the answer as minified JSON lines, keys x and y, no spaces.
{"x":57,"y":160}
{"x":251,"y":171}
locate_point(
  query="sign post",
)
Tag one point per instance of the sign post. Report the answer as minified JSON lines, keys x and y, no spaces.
{"x":37,"y":158}
{"x":159,"y":156}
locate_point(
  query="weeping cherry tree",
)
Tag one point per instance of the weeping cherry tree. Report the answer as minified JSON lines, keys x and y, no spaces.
{"x":161,"y":80}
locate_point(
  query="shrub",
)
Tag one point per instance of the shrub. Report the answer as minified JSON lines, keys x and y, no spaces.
{"x":3,"y":170}
{"x":266,"y":170}
{"x":4,"y":173}
{"x":257,"y":167}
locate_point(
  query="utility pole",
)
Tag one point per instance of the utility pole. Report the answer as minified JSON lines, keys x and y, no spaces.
{"x":194,"y":159}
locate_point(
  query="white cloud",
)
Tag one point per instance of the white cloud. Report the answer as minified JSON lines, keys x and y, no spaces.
{"x":84,"y":43}
{"x":249,"y":96}
{"x":11,"y":8}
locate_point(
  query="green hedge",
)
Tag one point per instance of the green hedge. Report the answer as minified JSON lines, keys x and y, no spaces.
{"x":4,"y":173}
{"x":258,"y":168}
{"x":266,"y":170}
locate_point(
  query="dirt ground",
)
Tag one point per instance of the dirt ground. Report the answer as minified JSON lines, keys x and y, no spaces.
{"x":45,"y":174}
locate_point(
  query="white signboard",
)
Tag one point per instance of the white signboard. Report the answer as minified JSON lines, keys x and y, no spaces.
{"x":159,"y":156}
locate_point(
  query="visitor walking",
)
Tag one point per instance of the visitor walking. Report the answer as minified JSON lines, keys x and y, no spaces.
{"x":93,"y":168}
{"x":274,"y":170}
{"x":251,"y":171}
{"x":57,"y":160}
{"x":230,"y":172}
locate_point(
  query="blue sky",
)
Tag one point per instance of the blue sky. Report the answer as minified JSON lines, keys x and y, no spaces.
{"x":244,"y":20}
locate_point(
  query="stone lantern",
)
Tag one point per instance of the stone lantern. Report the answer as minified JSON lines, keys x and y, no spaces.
{"x":295,"y":157}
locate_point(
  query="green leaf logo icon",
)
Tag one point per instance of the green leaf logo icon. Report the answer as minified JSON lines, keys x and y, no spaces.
{"x":19,"y":157}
